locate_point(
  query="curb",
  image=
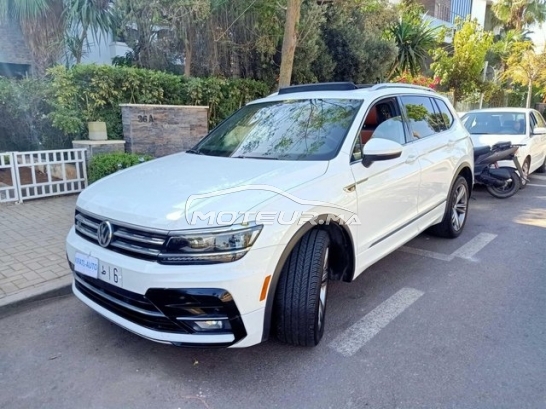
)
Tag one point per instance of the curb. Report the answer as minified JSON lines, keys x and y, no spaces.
{"x":50,"y":289}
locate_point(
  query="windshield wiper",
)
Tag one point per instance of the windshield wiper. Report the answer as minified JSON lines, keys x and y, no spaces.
{"x":195,"y":151}
{"x":255,"y":157}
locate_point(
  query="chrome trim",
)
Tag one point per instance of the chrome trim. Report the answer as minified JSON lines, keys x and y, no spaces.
{"x":139,"y":238}
{"x":86,"y":232}
{"x":116,"y":301}
{"x":205,"y":254}
{"x":83,"y":220}
{"x":201,"y":318}
{"x":134,"y":249}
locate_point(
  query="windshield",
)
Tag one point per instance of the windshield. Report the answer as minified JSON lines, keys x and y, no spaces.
{"x":506,"y":123}
{"x":310,"y":129}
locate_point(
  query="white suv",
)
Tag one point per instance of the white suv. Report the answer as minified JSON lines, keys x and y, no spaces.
{"x":238,"y":238}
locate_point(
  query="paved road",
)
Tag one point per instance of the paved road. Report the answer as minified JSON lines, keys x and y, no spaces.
{"x":438,"y":324}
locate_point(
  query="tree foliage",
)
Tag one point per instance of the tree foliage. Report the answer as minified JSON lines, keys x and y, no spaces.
{"x":460,"y":70}
{"x":519,"y":14}
{"x":414,"y":37}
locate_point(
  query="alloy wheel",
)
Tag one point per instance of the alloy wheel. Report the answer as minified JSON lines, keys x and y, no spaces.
{"x":323,"y":289}
{"x":458,"y":214}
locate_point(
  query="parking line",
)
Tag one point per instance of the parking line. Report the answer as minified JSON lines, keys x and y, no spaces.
{"x":470,"y":249}
{"x":426,"y":253}
{"x":532,"y":184}
{"x":356,"y":336}
{"x":538,"y":177}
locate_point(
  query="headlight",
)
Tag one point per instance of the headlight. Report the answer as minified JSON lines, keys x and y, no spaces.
{"x":210,"y":246}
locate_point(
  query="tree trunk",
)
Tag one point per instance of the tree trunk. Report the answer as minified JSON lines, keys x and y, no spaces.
{"x":289,"y":42}
{"x":187,"y":57}
{"x":529,"y":94}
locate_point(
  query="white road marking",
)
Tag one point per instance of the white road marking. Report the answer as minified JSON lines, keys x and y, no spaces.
{"x":532,"y":184}
{"x":470,"y":249}
{"x":354,"y":338}
{"x":538,"y":177}
{"x":466,"y":251}
{"x":426,"y":253}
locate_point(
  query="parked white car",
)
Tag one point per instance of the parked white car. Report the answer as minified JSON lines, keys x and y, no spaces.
{"x":515,"y":125}
{"x":238,"y":238}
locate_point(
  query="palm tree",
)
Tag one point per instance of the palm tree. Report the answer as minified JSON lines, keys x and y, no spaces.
{"x":84,"y":19}
{"x":518,"y":14}
{"x":414,"y":39}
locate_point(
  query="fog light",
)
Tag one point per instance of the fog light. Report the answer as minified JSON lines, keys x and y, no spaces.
{"x":212,"y":325}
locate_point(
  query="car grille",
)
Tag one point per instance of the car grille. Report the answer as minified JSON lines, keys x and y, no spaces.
{"x":128,"y":240}
{"x":131,"y":306}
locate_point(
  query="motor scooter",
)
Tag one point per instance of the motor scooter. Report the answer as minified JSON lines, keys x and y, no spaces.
{"x":501,"y":182}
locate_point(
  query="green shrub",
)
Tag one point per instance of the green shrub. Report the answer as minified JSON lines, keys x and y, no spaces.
{"x":93,"y":93}
{"x":26,"y":124}
{"x":107,"y":163}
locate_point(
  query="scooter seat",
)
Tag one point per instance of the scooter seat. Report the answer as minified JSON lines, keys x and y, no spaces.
{"x":481,"y":150}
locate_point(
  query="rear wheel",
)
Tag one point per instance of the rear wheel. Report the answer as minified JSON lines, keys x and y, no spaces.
{"x":525,"y":177}
{"x":455,"y":214}
{"x":300,"y":300}
{"x":510,"y":187}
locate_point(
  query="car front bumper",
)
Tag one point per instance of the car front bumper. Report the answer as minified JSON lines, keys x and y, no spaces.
{"x":164,"y":303}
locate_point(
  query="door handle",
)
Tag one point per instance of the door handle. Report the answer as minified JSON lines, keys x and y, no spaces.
{"x":411,"y":158}
{"x":451,"y":143}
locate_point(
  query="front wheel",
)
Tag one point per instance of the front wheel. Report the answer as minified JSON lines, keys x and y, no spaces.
{"x":455,"y":214}
{"x":510,"y":187}
{"x":300,"y":299}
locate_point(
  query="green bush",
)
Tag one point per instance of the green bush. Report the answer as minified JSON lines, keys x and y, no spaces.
{"x":93,"y":93}
{"x":107,"y":163}
{"x":26,"y":124}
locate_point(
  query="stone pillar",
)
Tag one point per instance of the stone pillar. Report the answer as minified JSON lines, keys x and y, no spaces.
{"x":161,"y":130}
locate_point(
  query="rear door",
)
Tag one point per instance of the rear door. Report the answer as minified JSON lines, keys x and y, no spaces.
{"x":433,"y":137}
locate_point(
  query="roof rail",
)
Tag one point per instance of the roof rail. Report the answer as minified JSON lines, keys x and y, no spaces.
{"x":400,"y":85}
{"x":324,"y":86}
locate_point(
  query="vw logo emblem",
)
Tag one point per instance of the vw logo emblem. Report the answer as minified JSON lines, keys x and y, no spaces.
{"x":105,"y":233}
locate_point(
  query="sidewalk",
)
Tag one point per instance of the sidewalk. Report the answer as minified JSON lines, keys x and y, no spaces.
{"x":32,"y":253}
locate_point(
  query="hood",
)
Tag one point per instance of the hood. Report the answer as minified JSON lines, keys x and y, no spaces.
{"x":154,"y":194}
{"x":492,"y":139}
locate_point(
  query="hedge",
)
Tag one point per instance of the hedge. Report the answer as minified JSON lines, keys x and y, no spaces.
{"x":107,"y":163}
{"x":48,"y":113}
{"x":93,"y":92}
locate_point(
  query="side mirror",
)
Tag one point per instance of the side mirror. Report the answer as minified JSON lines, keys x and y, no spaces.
{"x":378,"y":149}
{"x":539,"y":130}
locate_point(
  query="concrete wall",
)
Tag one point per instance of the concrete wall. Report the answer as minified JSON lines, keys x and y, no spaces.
{"x":161,"y":130}
{"x":478,"y":10}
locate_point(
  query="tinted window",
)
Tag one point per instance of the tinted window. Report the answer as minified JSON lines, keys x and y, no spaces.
{"x":422,"y":117}
{"x":446,"y":114}
{"x":311,"y":129}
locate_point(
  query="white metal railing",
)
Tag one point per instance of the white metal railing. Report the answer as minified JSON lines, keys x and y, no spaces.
{"x":44,"y":173}
{"x":8,"y":178}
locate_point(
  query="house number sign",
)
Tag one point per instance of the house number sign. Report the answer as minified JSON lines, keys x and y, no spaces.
{"x":146,"y":118}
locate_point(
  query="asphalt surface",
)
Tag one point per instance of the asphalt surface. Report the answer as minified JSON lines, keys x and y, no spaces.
{"x":475,"y":337}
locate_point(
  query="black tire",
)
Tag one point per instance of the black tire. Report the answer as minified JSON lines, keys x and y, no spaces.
{"x":510,"y":189}
{"x":300,"y":303}
{"x":524,"y":179}
{"x":542,"y":168}
{"x":456,"y":211}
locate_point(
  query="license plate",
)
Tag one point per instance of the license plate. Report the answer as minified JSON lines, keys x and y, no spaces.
{"x":111,"y":274}
{"x":86,"y":265}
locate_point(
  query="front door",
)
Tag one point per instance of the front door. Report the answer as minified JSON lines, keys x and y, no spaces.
{"x":387,"y":191}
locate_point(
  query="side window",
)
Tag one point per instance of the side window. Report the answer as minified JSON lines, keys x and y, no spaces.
{"x":392,"y":129}
{"x":423,"y":120}
{"x":445,"y":113}
{"x":533,"y":121}
{"x":538,"y":119}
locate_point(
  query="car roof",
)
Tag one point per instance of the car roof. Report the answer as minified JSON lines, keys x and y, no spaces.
{"x":346,"y":91}
{"x":505,"y":109}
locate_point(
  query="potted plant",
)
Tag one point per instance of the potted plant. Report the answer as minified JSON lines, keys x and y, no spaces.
{"x":95,"y":126}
